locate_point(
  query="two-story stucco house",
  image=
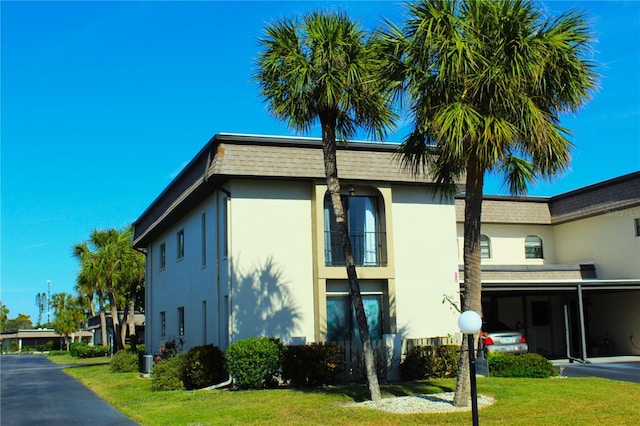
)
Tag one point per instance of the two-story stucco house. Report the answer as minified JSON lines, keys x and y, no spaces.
{"x":241,"y":244}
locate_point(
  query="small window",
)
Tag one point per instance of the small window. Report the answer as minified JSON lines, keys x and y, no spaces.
{"x":181,"y":320}
{"x":485,"y":247}
{"x":638,"y":227}
{"x":163,"y":324}
{"x":204,"y":240}
{"x":533,"y":247}
{"x":163,"y":255}
{"x":180,"y":243}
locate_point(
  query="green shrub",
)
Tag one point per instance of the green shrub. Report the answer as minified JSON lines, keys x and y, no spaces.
{"x":75,"y":347}
{"x":204,"y":366}
{"x":49,"y":346}
{"x":124,"y":362}
{"x":529,"y":365}
{"x":168,"y":350}
{"x":58,"y":353}
{"x":167,"y":374}
{"x":312,"y":365}
{"x":422,"y":362}
{"x":254,"y":362}
{"x":92,"y":351}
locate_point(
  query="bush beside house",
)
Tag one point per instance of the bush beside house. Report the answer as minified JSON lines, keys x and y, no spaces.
{"x":430,"y":362}
{"x":529,"y":365}
{"x":316,"y":364}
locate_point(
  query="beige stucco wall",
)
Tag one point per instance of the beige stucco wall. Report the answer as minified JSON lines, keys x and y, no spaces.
{"x":185,"y":282}
{"x":608,"y":240}
{"x":425,"y":262}
{"x":272,"y":265}
{"x":507,"y":243}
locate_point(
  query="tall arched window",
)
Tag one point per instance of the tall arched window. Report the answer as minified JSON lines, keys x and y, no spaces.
{"x":364,"y":227}
{"x":533,"y":247}
{"x":485,"y":247}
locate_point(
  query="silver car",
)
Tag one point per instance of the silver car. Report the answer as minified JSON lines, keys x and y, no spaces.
{"x":498,"y":337}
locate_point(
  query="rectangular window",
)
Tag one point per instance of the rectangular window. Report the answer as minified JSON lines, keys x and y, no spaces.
{"x":180,"y":243}
{"x":638,"y":227}
{"x":362,"y":223}
{"x":181,"y":321}
{"x":163,"y":324}
{"x":204,"y":241}
{"x":163,"y":255}
{"x":341,"y":318}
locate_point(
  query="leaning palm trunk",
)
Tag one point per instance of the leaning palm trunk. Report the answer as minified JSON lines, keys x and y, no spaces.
{"x":103,"y":327}
{"x":472,"y":296}
{"x":131,"y":324}
{"x":118,"y":343}
{"x":333,"y":186}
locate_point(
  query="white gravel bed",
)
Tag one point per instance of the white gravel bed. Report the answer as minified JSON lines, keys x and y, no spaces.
{"x":431,"y":403}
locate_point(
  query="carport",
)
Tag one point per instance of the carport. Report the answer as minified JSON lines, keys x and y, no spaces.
{"x":574,"y":319}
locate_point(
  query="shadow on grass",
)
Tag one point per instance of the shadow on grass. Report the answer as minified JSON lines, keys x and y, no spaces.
{"x":360,"y":392}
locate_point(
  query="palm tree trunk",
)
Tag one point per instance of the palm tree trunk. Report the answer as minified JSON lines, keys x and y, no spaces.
{"x":333,"y":186}
{"x":115,"y":320}
{"x":131,"y":323}
{"x":103,"y":327}
{"x":472,"y":295}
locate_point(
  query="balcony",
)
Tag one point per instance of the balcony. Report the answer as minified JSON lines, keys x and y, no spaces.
{"x":367,"y":248}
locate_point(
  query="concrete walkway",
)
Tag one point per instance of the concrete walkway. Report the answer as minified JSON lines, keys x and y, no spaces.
{"x":35,"y":391}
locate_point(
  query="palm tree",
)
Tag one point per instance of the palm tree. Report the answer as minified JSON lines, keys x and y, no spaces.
{"x":487,"y":82}
{"x":69,"y":315}
{"x":4,"y":316}
{"x":118,"y":273}
{"x":89,"y":284}
{"x":322,"y":69}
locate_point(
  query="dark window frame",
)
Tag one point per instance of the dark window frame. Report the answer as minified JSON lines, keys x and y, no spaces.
{"x":163,"y":256}
{"x":533,"y":249}
{"x":181,"y":326}
{"x":180,"y":244}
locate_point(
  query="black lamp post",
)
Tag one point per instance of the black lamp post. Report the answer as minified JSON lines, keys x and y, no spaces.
{"x":470,"y":324}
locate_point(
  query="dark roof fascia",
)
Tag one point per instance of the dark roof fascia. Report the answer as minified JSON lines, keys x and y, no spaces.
{"x":303,"y":142}
{"x":598,"y":185}
{"x":206,"y":148}
{"x":519,"y":198}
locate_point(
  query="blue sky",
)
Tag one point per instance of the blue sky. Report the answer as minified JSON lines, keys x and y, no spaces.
{"x":103,"y":103}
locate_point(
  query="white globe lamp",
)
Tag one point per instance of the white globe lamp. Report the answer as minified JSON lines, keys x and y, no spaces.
{"x":470,"y":322}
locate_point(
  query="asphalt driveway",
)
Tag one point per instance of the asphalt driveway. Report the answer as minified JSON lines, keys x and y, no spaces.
{"x":626,"y":369}
{"x":35,"y":391}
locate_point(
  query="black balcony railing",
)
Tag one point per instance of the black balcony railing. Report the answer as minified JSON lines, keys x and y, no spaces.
{"x":367,"y":248}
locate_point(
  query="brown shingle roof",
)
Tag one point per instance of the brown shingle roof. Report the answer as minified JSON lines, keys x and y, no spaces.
{"x":606,"y":197}
{"x":531,"y":211}
{"x":232,"y":155}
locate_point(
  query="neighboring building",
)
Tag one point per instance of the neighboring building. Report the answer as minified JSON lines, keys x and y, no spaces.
{"x":94,"y":326}
{"x":565,"y":269}
{"x":241,"y":244}
{"x":38,"y":338}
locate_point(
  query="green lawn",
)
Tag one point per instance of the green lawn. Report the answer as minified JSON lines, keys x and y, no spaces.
{"x":584,"y":401}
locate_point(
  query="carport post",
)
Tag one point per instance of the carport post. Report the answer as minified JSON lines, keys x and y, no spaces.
{"x":582,"y":329}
